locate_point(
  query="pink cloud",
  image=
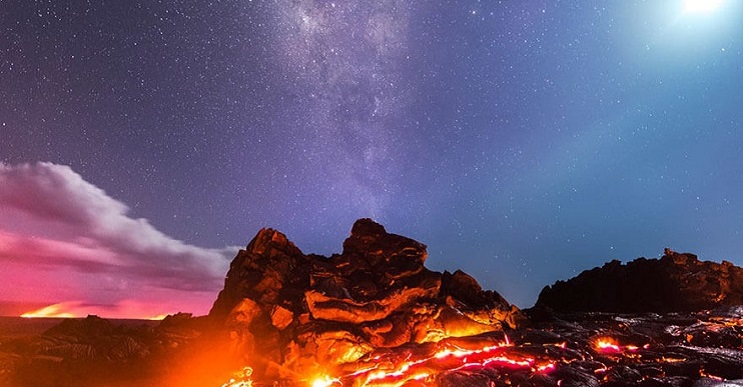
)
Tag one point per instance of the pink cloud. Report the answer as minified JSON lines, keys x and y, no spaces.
{"x":58,"y":228}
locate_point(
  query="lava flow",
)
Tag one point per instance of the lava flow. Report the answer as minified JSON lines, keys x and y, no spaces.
{"x":610,"y":345}
{"x":51,"y":311}
{"x":423,"y":363}
{"x":242,"y":378}
{"x":450,"y":357}
{"x":80,"y":309}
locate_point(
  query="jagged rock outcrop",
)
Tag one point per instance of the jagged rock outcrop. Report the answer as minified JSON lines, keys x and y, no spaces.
{"x":301,"y":311}
{"x":674,"y":283}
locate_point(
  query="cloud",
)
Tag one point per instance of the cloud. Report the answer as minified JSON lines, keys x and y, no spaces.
{"x":53,"y":221}
{"x":55,"y":192}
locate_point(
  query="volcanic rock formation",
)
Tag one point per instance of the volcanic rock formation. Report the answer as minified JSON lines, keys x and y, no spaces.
{"x":297,"y":312}
{"x":677,"y":282}
{"x":375,"y":316}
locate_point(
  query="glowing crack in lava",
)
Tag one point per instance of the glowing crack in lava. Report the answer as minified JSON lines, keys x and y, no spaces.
{"x":610,"y":345}
{"x":397,"y":366}
{"x":242,"y":378}
{"x":449,"y":358}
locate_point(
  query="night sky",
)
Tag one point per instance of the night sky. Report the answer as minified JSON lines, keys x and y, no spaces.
{"x":143,"y":142}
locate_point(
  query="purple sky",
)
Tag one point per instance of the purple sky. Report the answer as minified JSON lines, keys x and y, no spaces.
{"x":523,"y":142}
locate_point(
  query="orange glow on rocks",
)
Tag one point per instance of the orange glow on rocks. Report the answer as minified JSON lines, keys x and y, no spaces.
{"x":423,"y":363}
{"x":448,"y":357}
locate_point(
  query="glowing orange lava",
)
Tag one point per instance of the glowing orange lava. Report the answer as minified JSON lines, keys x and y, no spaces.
{"x":324,"y":382}
{"x":80,"y":309}
{"x":158,"y":317}
{"x":51,"y":311}
{"x":610,"y":345}
{"x":398,"y":367}
{"x":448,"y":357}
{"x":243,"y":378}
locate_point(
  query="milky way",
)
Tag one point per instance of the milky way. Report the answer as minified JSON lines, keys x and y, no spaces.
{"x":521,"y":141}
{"x":343,"y":65}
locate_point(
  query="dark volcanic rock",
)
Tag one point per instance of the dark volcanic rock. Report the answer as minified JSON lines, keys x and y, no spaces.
{"x":303,"y":310}
{"x":675,"y":283}
{"x":93,"y":351}
{"x":93,"y":339}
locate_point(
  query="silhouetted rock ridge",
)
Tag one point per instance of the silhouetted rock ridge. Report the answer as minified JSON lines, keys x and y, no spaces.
{"x":677,"y":282}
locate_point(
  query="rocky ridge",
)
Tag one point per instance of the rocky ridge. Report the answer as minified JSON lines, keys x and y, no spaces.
{"x":677,"y":282}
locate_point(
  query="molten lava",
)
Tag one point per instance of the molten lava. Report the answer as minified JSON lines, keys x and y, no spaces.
{"x":51,"y":311}
{"x":449,"y":357}
{"x":242,"y":378}
{"x":611,"y":345}
{"x":324,"y":382}
{"x":422,"y":363}
{"x":79,"y":309}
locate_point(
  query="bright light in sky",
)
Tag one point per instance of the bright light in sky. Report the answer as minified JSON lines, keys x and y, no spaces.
{"x":702,"y":6}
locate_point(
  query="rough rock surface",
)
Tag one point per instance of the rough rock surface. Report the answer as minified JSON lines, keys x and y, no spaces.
{"x":97,"y":352}
{"x":674,"y":283}
{"x":703,"y":348}
{"x":301,"y":311}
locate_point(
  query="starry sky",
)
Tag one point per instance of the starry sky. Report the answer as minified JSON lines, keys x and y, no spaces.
{"x":143,"y":142}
